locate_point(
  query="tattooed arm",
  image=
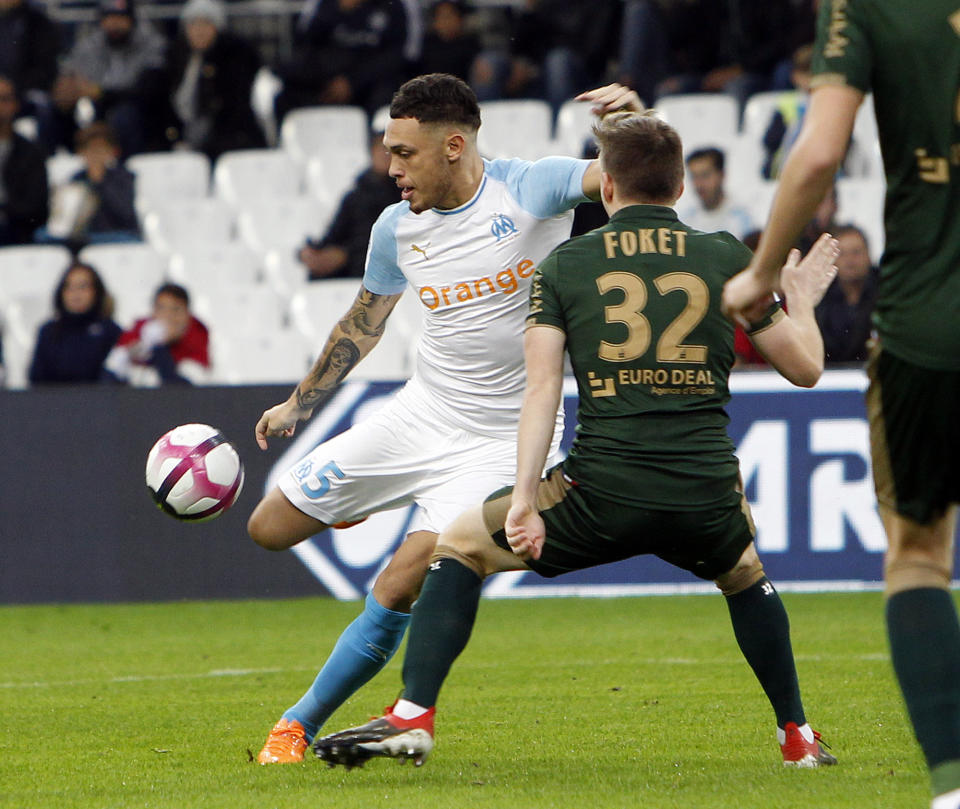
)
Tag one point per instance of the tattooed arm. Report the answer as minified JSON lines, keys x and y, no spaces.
{"x":358,"y":331}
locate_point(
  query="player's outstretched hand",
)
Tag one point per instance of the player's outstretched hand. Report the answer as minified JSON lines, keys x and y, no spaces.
{"x":278,"y":420}
{"x":811,"y":277}
{"x":525,"y":531}
{"x":611,"y":98}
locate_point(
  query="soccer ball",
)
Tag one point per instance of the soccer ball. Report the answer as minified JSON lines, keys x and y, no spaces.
{"x":194,"y":473}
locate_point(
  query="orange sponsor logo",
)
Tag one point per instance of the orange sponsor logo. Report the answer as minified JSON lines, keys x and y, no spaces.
{"x":506,"y":281}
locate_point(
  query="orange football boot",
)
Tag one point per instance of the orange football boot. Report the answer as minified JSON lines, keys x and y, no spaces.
{"x":285,"y":744}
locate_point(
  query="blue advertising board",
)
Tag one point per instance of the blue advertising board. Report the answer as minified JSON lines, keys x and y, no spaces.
{"x":804,"y":457}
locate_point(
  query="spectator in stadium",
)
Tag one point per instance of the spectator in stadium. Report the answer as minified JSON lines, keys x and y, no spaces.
{"x":787,"y":119}
{"x":846,"y":311}
{"x":119,"y":68}
{"x":73,"y":345}
{"x":342,"y":252}
{"x":714,"y":209}
{"x":350,"y":52}
{"x":556,"y":48}
{"x":169,"y":347}
{"x":708,"y":46}
{"x":448,"y":46}
{"x":24,"y":196}
{"x":97,"y":204}
{"x":211,"y":73}
{"x":29,"y":47}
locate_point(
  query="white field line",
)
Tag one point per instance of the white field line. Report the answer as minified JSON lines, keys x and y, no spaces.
{"x":642,"y":661}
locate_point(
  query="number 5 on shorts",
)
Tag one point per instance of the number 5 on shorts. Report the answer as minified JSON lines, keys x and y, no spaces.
{"x":323,"y":482}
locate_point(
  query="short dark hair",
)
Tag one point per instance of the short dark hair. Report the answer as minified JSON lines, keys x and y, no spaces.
{"x":715,"y":155}
{"x":102,"y":302}
{"x":846,"y":229}
{"x":174,"y":291}
{"x":437,"y":98}
{"x":98,"y":130}
{"x":642,"y":154}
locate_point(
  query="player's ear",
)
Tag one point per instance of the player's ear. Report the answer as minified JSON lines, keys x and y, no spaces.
{"x":455,"y":146}
{"x":606,"y":187}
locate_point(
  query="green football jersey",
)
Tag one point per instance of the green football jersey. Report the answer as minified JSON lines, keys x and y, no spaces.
{"x":908,"y":55}
{"x":639,"y":302}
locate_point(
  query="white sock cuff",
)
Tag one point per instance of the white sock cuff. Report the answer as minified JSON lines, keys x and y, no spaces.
{"x":404,"y":709}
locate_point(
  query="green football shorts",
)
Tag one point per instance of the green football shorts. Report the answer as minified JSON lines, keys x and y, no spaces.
{"x":584,"y":529}
{"x":914,"y":436}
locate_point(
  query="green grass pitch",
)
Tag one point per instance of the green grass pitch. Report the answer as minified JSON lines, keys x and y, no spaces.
{"x":642,"y":702}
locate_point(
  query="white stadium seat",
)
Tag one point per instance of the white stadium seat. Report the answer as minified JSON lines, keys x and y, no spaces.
{"x":176,"y":225}
{"x":860,"y":201}
{"x":263,"y":93}
{"x":315,"y":308}
{"x":164,"y":175}
{"x":574,"y":128}
{"x":259,"y":357}
{"x":321,"y":131}
{"x":702,"y":119}
{"x":240,"y":309}
{"x":517,"y":128}
{"x":247,"y":175}
{"x":284,"y":272}
{"x":329,"y":179}
{"x":31,"y":269}
{"x":21,"y":318}
{"x":62,"y":166}
{"x":758,"y":113}
{"x":131,"y":273}
{"x":281,"y":224}
{"x":210,"y":268}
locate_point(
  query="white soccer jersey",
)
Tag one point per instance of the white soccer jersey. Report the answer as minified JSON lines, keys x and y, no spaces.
{"x":472,"y":268}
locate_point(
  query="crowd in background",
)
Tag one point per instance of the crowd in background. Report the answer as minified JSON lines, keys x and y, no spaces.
{"x":123,"y":85}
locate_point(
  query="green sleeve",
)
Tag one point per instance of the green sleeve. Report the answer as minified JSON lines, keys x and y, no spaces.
{"x":842,"y":53}
{"x":545,"y":308}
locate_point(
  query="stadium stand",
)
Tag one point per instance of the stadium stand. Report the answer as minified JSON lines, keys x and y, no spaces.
{"x":516,"y":128}
{"x":178,"y":225}
{"x":132,"y":273}
{"x":255,"y":174}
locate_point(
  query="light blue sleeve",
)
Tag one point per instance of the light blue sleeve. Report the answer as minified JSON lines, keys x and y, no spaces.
{"x":382,"y":274}
{"x":544,"y":188}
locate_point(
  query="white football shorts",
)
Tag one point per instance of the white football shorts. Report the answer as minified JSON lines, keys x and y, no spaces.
{"x":395,"y":458}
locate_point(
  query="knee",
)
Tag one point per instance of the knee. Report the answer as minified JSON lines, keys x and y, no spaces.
{"x":262,"y":529}
{"x":743,"y":575}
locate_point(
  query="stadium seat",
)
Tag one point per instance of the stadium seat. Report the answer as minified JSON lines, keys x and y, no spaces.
{"x":284,"y":272}
{"x":743,"y":164}
{"x":131,"y":273}
{"x":758,"y":196}
{"x":860,"y":201}
{"x":281,"y":224}
{"x":61,"y":167}
{"x":165,"y":175}
{"x":313,"y":131}
{"x":210,"y":268}
{"x":31,"y":269}
{"x":518,"y":128}
{"x":240,"y":310}
{"x":245,"y":175}
{"x":702,"y":119}
{"x":757,"y":115}
{"x":259,"y":357}
{"x":177,"y":225}
{"x":328,"y":180}
{"x":574,"y":124}
{"x":315,"y":308}
{"x":21,"y":318}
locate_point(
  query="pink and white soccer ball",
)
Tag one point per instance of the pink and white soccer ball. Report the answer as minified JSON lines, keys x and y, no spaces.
{"x":194,"y":473}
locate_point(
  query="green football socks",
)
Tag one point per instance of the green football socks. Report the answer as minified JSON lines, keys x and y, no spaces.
{"x":442,"y":621}
{"x":762,"y":629}
{"x":925,"y":649}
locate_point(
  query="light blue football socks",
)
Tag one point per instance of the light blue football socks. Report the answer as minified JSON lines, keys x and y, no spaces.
{"x":362,"y":650}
